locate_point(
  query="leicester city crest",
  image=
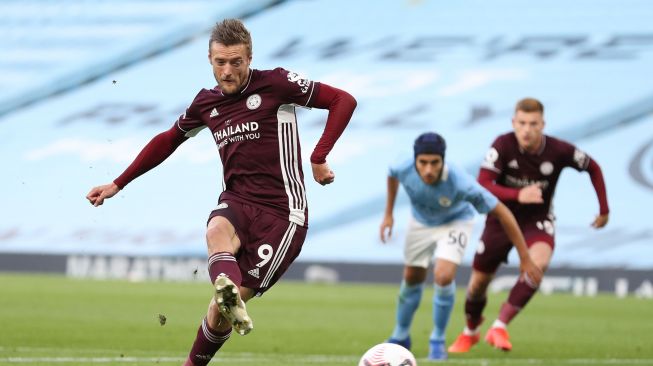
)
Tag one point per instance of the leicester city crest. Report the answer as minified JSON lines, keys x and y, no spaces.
{"x":253,"y":101}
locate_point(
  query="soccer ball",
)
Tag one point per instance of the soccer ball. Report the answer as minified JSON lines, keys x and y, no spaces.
{"x":387,"y":354}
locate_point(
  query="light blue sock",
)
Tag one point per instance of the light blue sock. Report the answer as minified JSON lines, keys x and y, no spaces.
{"x":409,"y":298}
{"x":443,"y":300}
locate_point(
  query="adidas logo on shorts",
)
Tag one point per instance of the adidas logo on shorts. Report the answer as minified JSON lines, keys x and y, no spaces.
{"x":254,"y":272}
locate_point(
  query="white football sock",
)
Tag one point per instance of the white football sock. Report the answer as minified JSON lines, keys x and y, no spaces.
{"x":499,"y":324}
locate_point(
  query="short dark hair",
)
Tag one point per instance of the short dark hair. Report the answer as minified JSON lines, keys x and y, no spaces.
{"x":529,"y":105}
{"x":230,"y":32}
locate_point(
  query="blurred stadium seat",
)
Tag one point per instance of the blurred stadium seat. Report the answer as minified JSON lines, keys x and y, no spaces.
{"x":48,"y":47}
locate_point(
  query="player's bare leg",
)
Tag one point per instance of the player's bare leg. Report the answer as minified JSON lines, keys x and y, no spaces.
{"x":525,"y":288}
{"x":520,"y":295}
{"x":474,"y":304}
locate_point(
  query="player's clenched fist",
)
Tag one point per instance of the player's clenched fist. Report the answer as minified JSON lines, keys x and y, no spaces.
{"x":98,"y":194}
{"x":322,"y":174}
{"x":531,"y":194}
{"x":600,"y":221}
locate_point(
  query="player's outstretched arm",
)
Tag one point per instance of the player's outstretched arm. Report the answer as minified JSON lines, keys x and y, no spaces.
{"x":510,"y":226}
{"x":388,"y":220}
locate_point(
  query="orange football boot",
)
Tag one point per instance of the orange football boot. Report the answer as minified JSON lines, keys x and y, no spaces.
{"x":464,"y":343}
{"x":498,"y":338}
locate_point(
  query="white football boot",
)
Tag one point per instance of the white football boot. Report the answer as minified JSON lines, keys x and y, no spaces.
{"x":231,"y":306}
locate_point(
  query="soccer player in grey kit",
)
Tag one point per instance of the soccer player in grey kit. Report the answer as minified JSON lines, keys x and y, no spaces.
{"x":260,"y":222}
{"x":522,"y":169}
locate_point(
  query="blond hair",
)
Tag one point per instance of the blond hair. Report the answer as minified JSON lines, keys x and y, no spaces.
{"x":529,"y":105}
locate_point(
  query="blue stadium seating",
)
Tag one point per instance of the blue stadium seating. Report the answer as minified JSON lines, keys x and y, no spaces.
{"x":50,"y":47}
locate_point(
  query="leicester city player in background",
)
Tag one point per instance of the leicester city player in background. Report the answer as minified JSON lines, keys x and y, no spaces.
{"x":521,"y":168}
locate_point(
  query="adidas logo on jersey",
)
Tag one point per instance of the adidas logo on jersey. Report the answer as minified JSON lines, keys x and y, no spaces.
{"x":513,"y":164}
{"x":214,"y":113}
{"x":254,"y":272}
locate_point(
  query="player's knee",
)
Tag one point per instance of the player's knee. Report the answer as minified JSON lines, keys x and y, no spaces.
{"x":444,"y":278}
{"x":541,"y":253}
{"x":414,"y":275}
{"x":219,"y":238}
{"x":542,"y":264}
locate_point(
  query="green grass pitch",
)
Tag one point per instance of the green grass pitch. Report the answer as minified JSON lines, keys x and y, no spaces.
{"x":47,"y":320}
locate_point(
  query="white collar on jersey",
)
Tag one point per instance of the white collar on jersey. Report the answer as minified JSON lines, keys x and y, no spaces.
{"x":249,"y":80}
{"x":445,"y":173}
